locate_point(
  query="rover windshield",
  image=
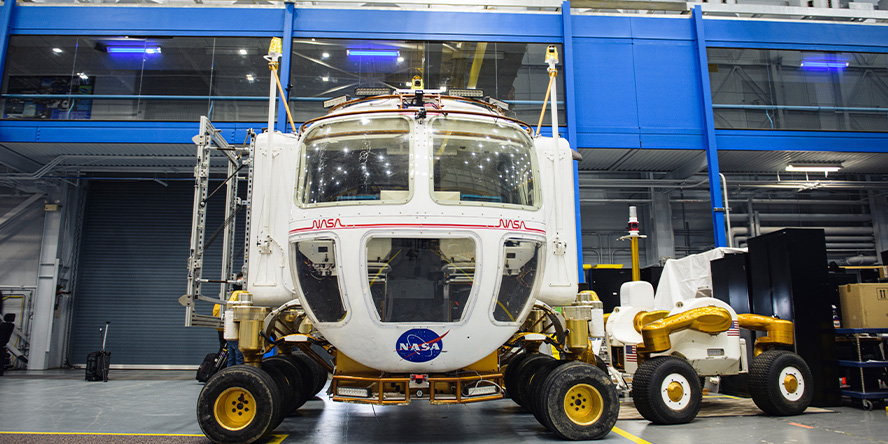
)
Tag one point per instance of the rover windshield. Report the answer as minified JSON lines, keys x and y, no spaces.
{"x":484,"y":163}
{"x":359,"y":160}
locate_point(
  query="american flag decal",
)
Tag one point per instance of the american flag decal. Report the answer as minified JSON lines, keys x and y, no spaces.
{"x":630,"y":354}
{"x":735,"y":329}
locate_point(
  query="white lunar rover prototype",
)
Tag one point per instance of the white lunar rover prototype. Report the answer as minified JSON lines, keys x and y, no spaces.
{"x":664,"y":354}
{"x":412,"y":244}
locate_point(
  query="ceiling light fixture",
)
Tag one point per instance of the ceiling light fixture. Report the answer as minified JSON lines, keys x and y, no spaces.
{"x":814,"y":167}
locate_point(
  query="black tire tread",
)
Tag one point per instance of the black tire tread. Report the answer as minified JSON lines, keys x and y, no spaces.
{"x":524,"y":377}
{"x":555,"y":387}
{"x":509,"y":372}
{"x":646,"y":396}
{"x":265,"y":392}
{"x":317,"y":371}
{"x":293,"y":386}
{"x":763,"y":384}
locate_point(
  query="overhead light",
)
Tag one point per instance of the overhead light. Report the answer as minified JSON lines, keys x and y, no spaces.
{"x":242,"y":51}
{"x":83,"y":75}
{"x":400,"y":59}
{"x":822,"y":64}
{"x":373,"y":53}
{"x":250,"y":78}
{"x":57,"y":50}
{"x":325,"y":55}
{"x":814,"y":167}
{"x":133,"y":49}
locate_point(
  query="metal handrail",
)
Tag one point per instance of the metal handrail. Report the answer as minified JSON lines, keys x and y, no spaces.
{"x":802,"y":108}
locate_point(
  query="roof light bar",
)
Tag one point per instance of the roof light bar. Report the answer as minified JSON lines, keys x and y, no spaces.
{"x":335,"y":101}
{"x":367,"y":92}
{"x":468,"y":93}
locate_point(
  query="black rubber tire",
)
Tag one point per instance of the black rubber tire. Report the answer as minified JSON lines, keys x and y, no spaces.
{"x":560,"y":383}
{"x":259,"y":385}
{"x":537,"y":395}
{"x":601,"y":365}
{"x":647,"y":390}
{"x":317,"y":371}
{"x":765,"y":383}
{"x":281,"y":383}
{"x":524,"y":377}
{"x":293,"y":384}
{"x":509,"y":373}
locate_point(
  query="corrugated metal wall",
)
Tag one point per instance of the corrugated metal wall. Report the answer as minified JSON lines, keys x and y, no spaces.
{"x":132,"y":271}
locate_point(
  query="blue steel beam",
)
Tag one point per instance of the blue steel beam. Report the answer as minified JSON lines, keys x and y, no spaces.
{"x":715,"y":191}
{"x":6,"y":14}
{"x":570,"y":99}
{"x":289,"y":16}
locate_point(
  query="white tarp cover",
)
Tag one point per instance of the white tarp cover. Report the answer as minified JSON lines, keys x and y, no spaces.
{"x":682,"y":277}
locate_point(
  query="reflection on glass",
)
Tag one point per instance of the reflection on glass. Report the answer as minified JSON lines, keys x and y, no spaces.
{"x":519,"y":272}
{"x":316,"y":271}
{"x":327,"y":68}
{"x":124,"y":78}
{"x":801,"y":90}
{"x":482,"y":162}
{"x":356,"y":161}
{"x":420,"y":280}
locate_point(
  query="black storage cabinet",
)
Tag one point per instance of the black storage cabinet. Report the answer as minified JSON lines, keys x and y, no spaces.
{"x":788,"y":279}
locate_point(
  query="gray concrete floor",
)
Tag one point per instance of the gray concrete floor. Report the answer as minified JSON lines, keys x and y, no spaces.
{"x":159,"y":407}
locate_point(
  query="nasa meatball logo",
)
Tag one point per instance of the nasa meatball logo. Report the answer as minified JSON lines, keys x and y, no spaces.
{"x":420,"y":345}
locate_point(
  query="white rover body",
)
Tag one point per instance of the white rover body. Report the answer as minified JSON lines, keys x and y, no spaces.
{"x":411,"y":244}
{"x":665,"y":353}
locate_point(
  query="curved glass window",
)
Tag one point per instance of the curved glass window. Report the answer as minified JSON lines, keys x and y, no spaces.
{"x":420,"y":280}
{"x":482,"y":163}
{"x":520,"y":269}
{"x":359,"y":160}
{"x":315,"y":262}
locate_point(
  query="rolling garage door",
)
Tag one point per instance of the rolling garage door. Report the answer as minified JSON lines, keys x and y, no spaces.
{"x":132,"y":272}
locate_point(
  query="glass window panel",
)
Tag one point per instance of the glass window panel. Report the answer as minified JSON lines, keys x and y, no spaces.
{"x":356,"y":161}
{"x":520,"y":269}
{"x":327,"y":68}
{"x":316,"y":272}
{"x":47,"y":77}
{"x":420,"y":280}
{"x":481,"y":162}
{"x":799,"y":90}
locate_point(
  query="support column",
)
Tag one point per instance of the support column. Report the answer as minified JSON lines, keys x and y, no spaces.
{"x":662,"y":239}
{"x":6,"y":14}
{"x":715,"y":191}
{"x":571,"y":121}
{"x":42,"y":355}
{"x":879,"y":211}
{"x":284,"y":70}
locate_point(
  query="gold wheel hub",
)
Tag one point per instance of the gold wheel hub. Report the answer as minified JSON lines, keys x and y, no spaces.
{"x":583,"y":404}
{"x":790,"y":383}
{"x":235,"y":408}
{"x":675,"y":391}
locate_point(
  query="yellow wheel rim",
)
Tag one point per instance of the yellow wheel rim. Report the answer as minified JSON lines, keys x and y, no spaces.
{"x":790,"y":383}
{"x":675,"y":391}
{"x":583,"y":404}
{"x":235,"y":408}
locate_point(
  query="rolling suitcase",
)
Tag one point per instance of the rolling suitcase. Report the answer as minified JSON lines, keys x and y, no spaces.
{"x":99,"y":362}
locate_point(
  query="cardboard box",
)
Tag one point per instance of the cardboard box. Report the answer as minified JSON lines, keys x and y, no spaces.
{"x":864,"y":305}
